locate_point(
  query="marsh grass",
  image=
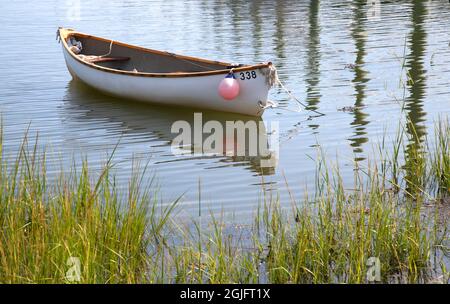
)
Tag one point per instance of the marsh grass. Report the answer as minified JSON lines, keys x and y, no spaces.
{"x":393,"y":212}
{"x":440,"y":158}
{"x":80,"y":216}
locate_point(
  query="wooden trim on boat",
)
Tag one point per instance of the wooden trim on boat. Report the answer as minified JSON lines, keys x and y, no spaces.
{"x":66,"y":33}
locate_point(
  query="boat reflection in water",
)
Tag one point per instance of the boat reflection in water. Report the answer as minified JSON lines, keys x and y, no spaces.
{"x":167,"y":130}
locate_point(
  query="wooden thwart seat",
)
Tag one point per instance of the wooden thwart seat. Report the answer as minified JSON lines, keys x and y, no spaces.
{"x":108,"y":59}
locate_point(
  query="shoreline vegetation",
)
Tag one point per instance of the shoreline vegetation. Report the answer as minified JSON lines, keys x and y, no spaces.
{"x":395,"y":212}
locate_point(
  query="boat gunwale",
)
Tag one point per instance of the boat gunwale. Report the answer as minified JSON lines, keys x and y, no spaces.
{"x":66,"y":33}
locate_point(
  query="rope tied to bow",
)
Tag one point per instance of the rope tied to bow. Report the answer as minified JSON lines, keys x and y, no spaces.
{"x":273,"y":80}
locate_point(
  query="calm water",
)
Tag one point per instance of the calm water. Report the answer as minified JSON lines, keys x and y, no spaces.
{"x":331,"y":54}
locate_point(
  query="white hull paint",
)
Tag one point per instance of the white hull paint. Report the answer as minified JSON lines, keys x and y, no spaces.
{"x":195,"y":91}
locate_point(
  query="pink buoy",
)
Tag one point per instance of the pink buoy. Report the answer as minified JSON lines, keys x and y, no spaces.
{"x":229,"y":87}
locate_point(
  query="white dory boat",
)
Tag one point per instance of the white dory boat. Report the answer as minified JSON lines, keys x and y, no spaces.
{"x":161,"y":77}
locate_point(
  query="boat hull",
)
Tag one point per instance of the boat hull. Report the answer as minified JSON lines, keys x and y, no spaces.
{"x":194,"y":91}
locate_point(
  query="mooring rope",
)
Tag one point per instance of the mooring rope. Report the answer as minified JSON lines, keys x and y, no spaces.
{"x":297,"y":100}
{"x":91,"y":58}
{"x":272,"y":80}
{"x":110,"y":50}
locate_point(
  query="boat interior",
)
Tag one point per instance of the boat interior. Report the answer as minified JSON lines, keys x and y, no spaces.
{"x":121,"y":56}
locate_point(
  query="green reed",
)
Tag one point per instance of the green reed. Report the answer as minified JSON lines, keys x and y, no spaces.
{"x":388,"y":214}
{"x":440,"y":159}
